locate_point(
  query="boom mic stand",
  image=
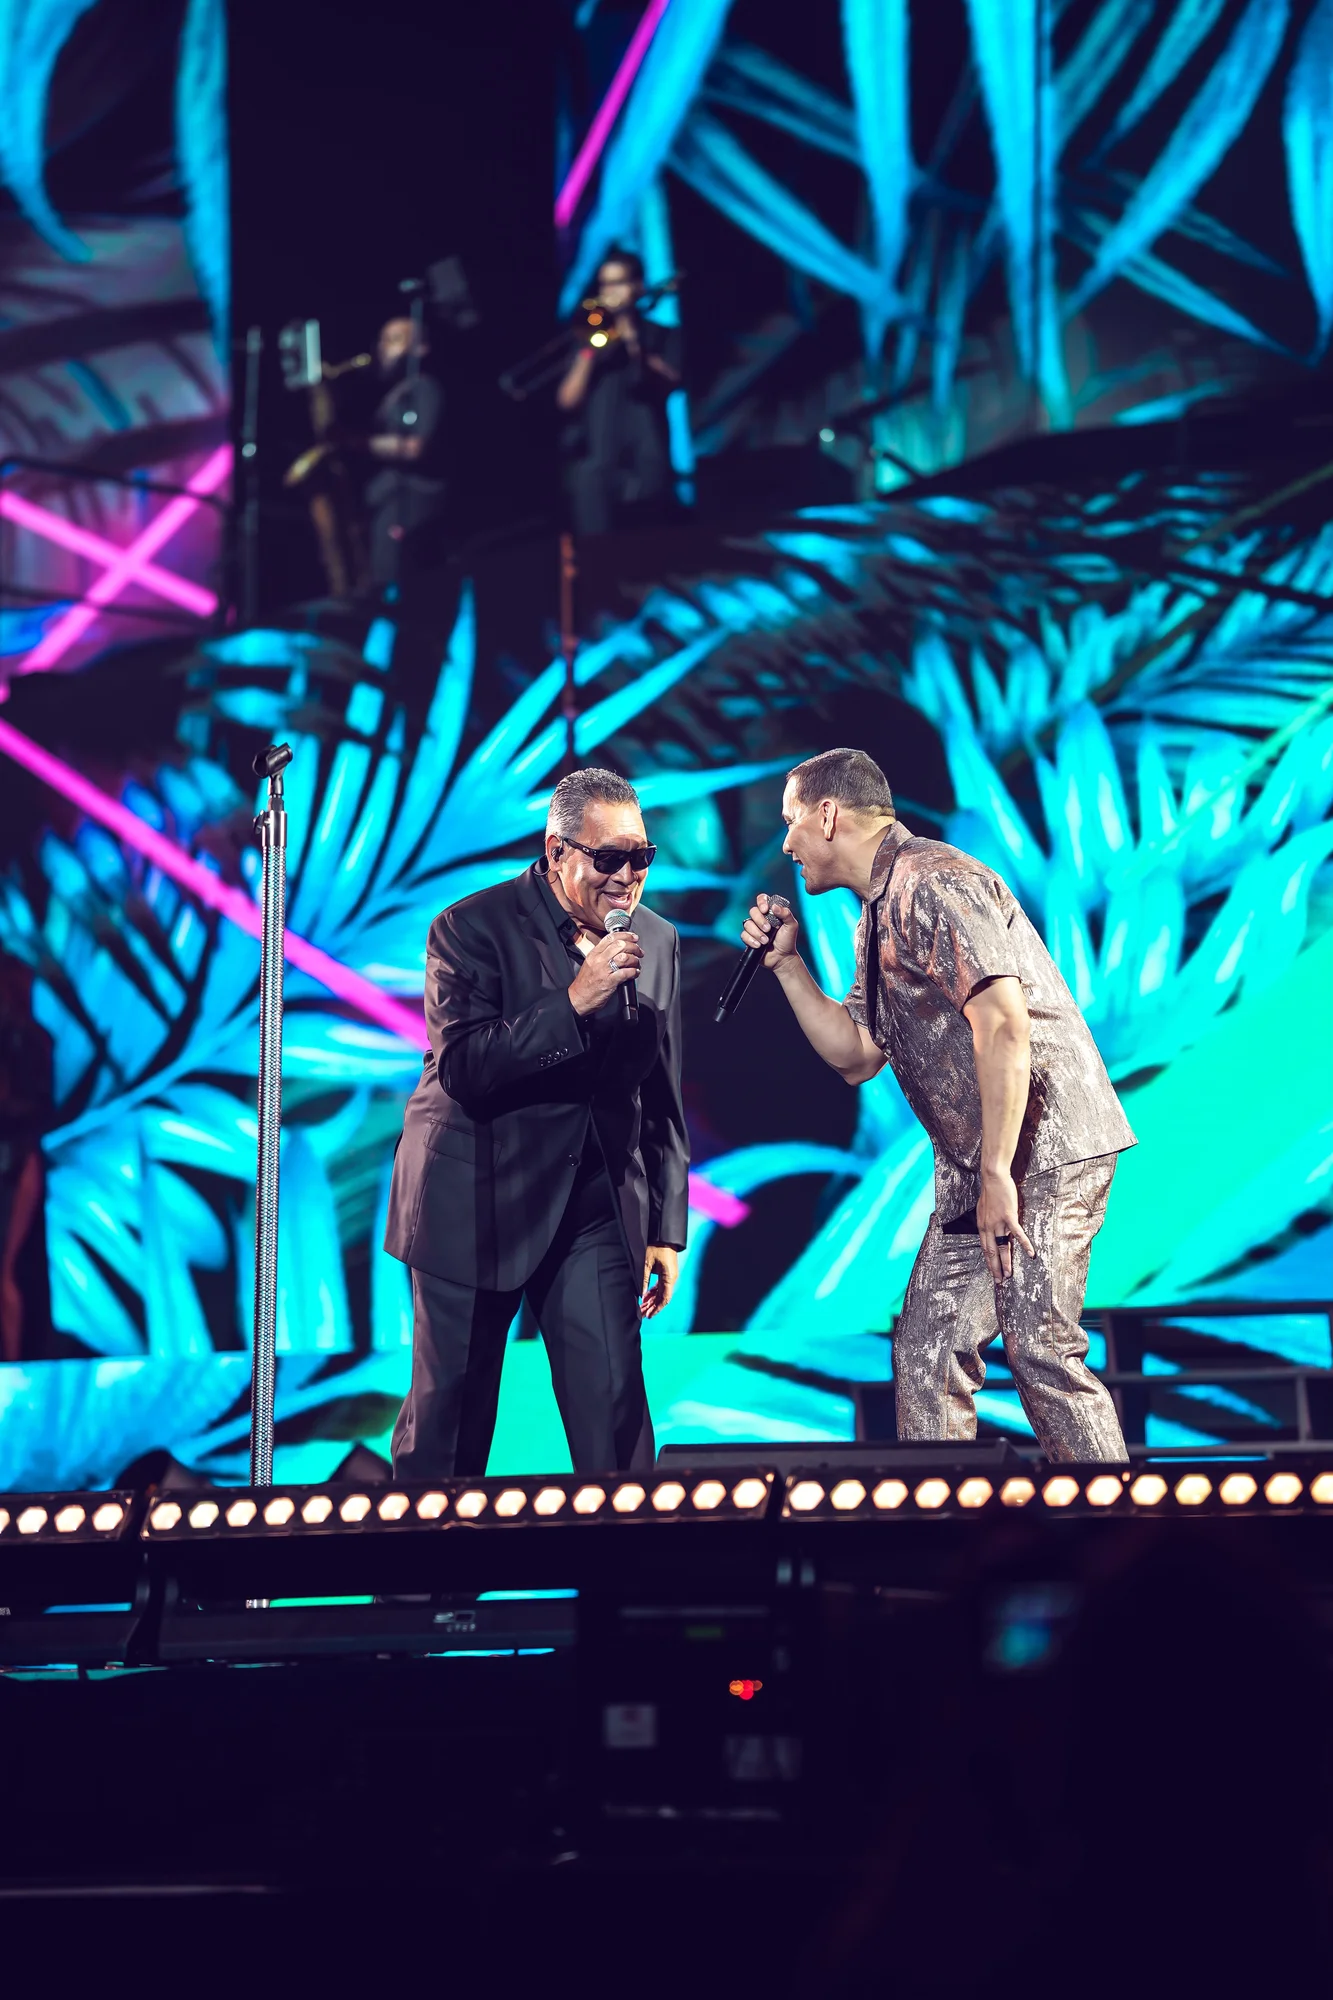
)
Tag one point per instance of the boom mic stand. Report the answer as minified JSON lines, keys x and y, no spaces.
{"x":271,"y":826}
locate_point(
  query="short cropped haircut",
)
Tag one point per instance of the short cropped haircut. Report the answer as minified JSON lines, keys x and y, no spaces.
{"x":848,"y":776}
{"x":629,"y":258}
{"x":577,"y":791}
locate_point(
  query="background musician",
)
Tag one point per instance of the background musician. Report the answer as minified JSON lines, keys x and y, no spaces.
{"x":615,"y":396}
{"x":406,"y":494}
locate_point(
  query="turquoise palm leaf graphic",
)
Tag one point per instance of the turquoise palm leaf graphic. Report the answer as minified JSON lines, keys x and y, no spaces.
{"x":152,"y":1005}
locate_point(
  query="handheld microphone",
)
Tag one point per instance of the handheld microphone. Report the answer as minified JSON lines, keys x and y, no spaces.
{"x":751,"y":958}
{"x":620,"y":920}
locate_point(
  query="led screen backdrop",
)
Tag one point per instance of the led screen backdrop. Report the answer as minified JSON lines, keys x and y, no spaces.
{"x":1121,"y":674}
{"x":113,"y":334}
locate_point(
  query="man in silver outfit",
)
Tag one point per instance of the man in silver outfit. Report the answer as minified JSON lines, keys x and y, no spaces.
{"x":956,"y":991}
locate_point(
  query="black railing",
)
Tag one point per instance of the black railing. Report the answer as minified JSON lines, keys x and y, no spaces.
{"x":1131,"y":1332}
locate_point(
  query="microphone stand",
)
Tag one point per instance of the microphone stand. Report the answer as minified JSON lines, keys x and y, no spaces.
{"x":569,"y":648}
{"x":271,"y":826}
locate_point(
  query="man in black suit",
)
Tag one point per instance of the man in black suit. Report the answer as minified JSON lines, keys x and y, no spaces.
{"x":544,"y":1149}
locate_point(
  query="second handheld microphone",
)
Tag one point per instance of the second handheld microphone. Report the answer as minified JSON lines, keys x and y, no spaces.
{"x":749,"y":962}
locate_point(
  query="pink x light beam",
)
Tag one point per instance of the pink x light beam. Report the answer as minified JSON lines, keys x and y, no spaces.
{"x":202,"y":883}
{"x":607,"y":113}
{"x":95,"y":548}
{"x":719,"y":1204}
{"x":129,"y":567}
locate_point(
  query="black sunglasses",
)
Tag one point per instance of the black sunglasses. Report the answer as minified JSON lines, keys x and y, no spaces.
{"x":610,"y":860}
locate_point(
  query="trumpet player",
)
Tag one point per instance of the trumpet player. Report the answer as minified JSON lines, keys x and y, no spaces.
{"x":614,"y":394}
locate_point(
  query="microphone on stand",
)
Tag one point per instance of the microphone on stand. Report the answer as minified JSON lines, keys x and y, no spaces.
{"x":621,"y":920}
{"x":751,"y":958}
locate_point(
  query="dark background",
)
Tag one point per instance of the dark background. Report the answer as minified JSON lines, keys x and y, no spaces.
{"x":367,"y":143}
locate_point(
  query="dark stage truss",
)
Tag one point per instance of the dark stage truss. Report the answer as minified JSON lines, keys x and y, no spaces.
{"x":294,"y":1572}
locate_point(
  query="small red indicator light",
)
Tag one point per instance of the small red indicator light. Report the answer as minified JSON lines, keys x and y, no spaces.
{"x":745,"y":1690}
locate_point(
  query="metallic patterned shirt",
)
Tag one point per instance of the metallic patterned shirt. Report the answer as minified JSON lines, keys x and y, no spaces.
{"x":945,"y":925}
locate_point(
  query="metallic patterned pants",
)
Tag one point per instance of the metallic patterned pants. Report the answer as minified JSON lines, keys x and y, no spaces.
{"x":954,"y":1308}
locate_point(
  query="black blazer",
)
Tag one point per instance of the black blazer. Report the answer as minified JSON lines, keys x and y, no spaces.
{"x":495,"y":1128}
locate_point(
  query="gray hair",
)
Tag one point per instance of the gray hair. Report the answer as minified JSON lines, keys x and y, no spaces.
{"x":848,"y":776}
{"x":577,"y":791}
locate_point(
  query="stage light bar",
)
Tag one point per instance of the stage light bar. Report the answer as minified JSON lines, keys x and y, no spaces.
{"x":460,"y":1504}
{"x":1072,"y":1490}
{"x":27,"y":1518}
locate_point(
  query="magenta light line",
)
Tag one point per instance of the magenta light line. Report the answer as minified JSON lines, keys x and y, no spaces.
{"x":718,"y":1204}
{"x":129,"y":564}
{"x":607,"y":112}
{"x":381,"y":1008}
{"x":95,"y":548}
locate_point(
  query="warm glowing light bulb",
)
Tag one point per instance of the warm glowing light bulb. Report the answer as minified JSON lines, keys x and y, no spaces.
{"x":890,"y":1493}
{"x":279,"y":1512}
{"x":550,"y":1500}
{"x":393,"y":1506}
{"x":748,"y":1493}
{"x":511,"y":1502}
{"x":241,"y":1513}
{"x":108,"y":1516}
{"x":974,"y":1492}
{"x":1148,"y":1489}
{"x":69,"y":1520}
{"x":1017,"y":1492}
{"x":707,"y":1495}
{"x":1062,"y":1491}
{"x":4,"y":1519}
{"x":588,"y":1499}
{"x":355,"y":1507}
{"x":805,"y":1495}
{"x":163,"y":1517}
{"x":431,"y":1505}
{"x":470,"y":1504}
{"x":204,"y":1513}
{"x":847,"y":1495}
{"x":1193,"y":1489}
{"x":1104,"y":1490}
{"x":931,"y":1493}
{"x":628,"y":1499}
{"x":668,"y":1496}
{"x":317,"y":1508}
{"x":1237,"y":1488}
{"x":1282,"y":1489}
{"x":1321,"y":1488}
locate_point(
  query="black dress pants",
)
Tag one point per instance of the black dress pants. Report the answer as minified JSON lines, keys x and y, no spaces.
{"x":585,"y":1302}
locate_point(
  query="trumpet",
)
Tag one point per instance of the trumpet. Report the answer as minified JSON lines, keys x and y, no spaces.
{"x":600,"y":323}
{"x":593,"y":325}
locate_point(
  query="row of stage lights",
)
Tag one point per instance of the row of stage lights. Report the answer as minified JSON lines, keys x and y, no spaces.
{"x":850,"y":1496}
{"x":93,"y":1517}
{"x":625,"y":1500}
